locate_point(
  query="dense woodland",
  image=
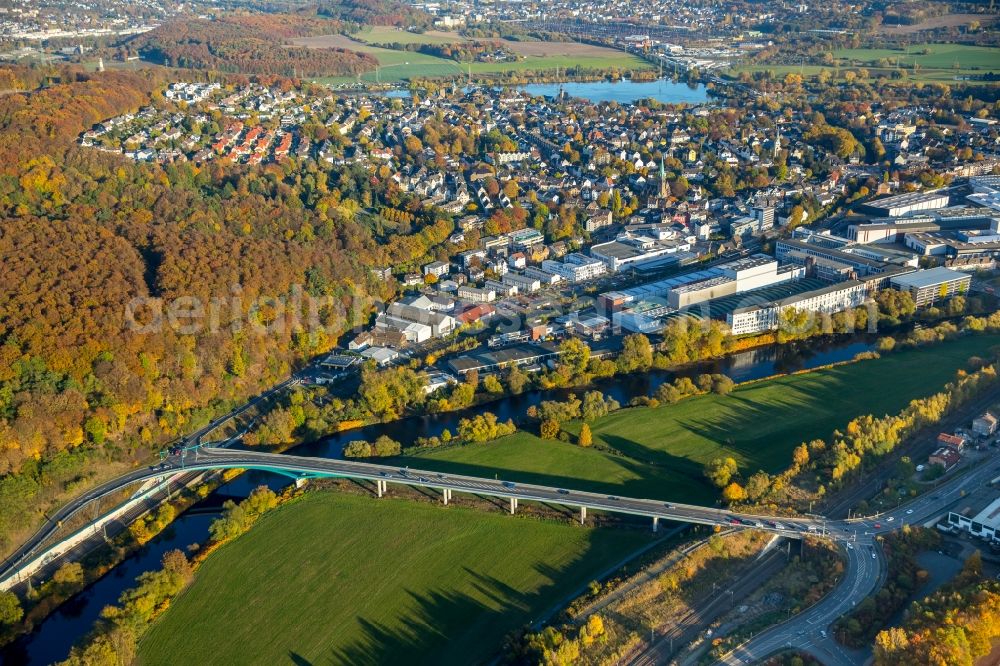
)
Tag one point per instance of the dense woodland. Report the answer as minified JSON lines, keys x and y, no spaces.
{"x":251,"y":45}
{"x":375,"y":12}
{"x":83,"y":233}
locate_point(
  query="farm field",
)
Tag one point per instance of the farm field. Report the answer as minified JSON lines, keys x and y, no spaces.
{"x":402,"y":65}
{"x":938,"y":56}
{"x":659,"y":453}
{"x":348,"y":579}
{"x":937,"y":65}
{"x":387,"y":35}
{"x":377,"y":34}
{"x":946,"y":21}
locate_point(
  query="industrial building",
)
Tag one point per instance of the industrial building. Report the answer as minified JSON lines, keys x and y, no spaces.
{"x":985,"y":524}
{"x":932,"y":285}
{"x":630,"y":250}
{"x":865,"y":260}
{"x":576,"y":267}
{"x":892,"y":230}
{"x":416,"y":324}
{"x":828,"y":300}
{"x":901,"y":204}
{"x":736,"y":277}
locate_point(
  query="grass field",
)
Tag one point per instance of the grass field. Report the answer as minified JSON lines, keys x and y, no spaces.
{"x":938,"y":56}
{"x":377,"y":34}
{"x":945,"y":21}
{"x":941,"y":63}
{"x":402,"y":65}
{"x":345,"y":579}
{"x":664,"y":449}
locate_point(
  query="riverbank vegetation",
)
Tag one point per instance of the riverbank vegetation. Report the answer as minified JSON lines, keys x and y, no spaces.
{"x":661,"y":452}
{"x":41,"y":597}
{"x":84,"y":394}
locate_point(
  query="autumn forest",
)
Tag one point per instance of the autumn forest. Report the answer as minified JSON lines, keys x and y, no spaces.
{"x":86,"y":233}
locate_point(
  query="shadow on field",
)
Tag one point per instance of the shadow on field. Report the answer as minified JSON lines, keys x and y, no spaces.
{"x":447,"y":627}
{"x":658,"y":478}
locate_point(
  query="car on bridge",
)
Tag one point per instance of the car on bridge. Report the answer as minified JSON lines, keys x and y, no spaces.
{"x":508,"y":484}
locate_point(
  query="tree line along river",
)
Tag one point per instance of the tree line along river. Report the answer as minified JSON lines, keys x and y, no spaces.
{"x":52,"y":639}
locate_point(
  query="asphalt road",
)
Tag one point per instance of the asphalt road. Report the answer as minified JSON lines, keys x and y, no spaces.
{"x":865,"y":572}
{"x":809,"y":631}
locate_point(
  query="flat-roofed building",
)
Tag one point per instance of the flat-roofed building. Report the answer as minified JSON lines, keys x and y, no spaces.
{"x":630,"y":251}
{"x":827,"y":300}
{"x":576,"y":267}
{"x":932,"y":285}
{"x":901,"y":204}
{"x":686,"y":295}
{"x":437,"y":268}
{"x":985,"y":524}
{"x":524,"y":283}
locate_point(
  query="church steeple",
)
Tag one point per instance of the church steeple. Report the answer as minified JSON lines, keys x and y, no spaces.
{"x":664,"y":187}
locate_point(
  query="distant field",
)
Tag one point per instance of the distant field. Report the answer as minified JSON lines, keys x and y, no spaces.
{"x":938,"y":65}
{"x":389,"y":35}
{"x":345,"y":579}
{"x":562,"y":48}
{"x":664,"y":449}
{"x":946,"y":21}
{"x":540,"y":56}
{"x":939,"y":56}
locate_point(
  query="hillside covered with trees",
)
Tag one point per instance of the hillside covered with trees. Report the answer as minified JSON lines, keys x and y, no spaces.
{"x":89,"y":372}
{"x":255,"y":45}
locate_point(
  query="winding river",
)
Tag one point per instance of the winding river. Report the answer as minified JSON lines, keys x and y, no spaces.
{"x":53,"y":638}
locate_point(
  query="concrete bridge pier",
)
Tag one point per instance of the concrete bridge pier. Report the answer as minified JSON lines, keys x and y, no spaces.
{"x":380,"y":487}
{"x":446,"y":496}
{"x":513,"y":505}
{"x":583,"y":515}
{"x":656,"y":523}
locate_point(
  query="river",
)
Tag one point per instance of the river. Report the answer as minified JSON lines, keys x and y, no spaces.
{"x":53,"y":638}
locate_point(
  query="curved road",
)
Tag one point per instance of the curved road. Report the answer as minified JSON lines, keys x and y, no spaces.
{"x":22,"y":555}
{"x":866,"y":570}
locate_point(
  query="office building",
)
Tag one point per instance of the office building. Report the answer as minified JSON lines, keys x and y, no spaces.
{"x":932,"y":285}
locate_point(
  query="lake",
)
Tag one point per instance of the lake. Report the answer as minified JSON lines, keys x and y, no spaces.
{"x":624,"y":91}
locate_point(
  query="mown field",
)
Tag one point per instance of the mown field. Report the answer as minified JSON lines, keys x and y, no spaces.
{"x":941,"y":63}
{"x":346,"y":579}
{"x":938,"y":56}
{"x":378,"y":34}
{"x":403,"y":65}
{"x":661,"y":451}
